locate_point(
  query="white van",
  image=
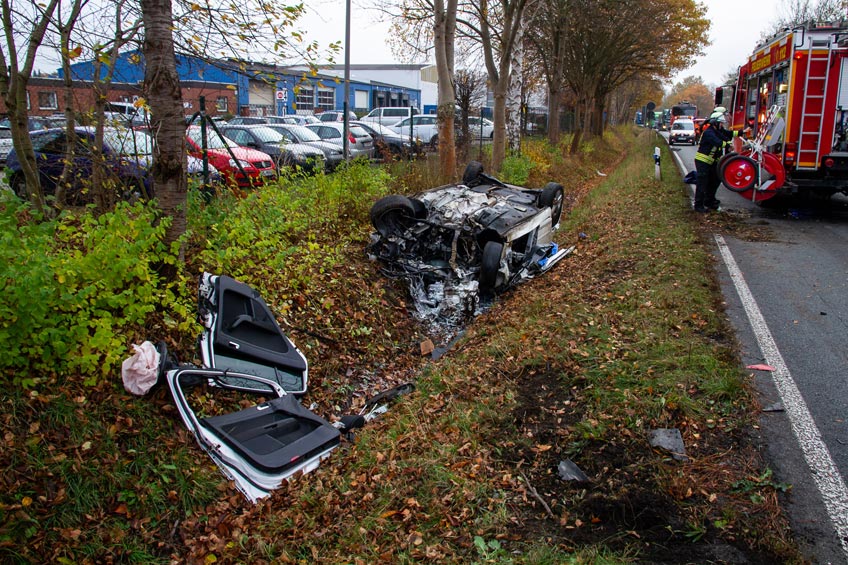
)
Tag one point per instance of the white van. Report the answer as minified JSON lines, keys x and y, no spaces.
{"x":126,"y":113}
{"x":389,"y":115}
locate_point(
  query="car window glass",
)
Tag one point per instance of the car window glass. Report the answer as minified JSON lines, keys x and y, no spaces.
{"x":302,"y":133}
{"x":239,"y":136}
{"x":399,"y":112}
{"x":359,"y":132}
{"x":330,"y":133}
{"x":374,"y":113}
{"x":51,"y":142}
{"x":213,"y":141}
{"x":127,"y":142}
{"x":266,"y":135}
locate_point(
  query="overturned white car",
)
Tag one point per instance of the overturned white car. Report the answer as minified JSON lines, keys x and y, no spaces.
{"x":457,"y":242}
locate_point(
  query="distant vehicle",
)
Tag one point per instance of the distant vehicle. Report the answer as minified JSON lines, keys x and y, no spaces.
{"x":262,"y":137}
{"x":682,"y":131}
{"x":335,"y":116}
{"x":302,"y":135}
{"x":300,"y":119}
{"x":683,"y":110}
{"x":35,"y":124}
{"x":247,"y":120}
{"x":258,"y":166}
{"x":360,"y":143}
{"x":424,"y":127}
{"x":126,"y":153}
{"x":485,"y":129}
{"x":126,"y":113}
{"x":388,"y":115}
{"x":390,"y":144}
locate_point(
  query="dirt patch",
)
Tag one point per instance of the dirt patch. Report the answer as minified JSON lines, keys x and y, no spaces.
{"x":622,"y":505}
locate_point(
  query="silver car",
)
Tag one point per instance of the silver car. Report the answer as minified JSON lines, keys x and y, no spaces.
{"x":360,"y":142}
{"x":305,"y":136}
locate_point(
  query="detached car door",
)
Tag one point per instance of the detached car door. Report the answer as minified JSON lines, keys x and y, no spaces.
{"x":241,"y":334}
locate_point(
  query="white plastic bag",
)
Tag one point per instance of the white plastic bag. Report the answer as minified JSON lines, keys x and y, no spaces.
{"x":140,"y":371}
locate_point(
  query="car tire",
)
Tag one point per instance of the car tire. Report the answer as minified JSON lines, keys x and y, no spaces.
{"x":490,"y":266}
{"x":19,"y":186}
{"x":391,"y":214}
{"x":552,"y":196}
{"x":419,"y":209}
{"x":434,"y":142}
{"x":472,"y":172}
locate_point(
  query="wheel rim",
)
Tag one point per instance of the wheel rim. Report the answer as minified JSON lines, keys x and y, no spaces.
{"x":739,"y":173}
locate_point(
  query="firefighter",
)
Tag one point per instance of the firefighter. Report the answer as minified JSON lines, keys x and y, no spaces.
{"x":710,"y":149}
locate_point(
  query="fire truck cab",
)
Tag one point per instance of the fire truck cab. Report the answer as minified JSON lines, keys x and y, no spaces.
{"x":790,"y":103}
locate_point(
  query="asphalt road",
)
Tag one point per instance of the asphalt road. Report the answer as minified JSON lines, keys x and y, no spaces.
{"x":787,"y":298}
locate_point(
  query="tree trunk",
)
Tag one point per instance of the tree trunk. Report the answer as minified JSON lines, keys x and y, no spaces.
{"x":554,"y":95}
{"x":444,"y":33}
{"x":513,"y":99}
{"x":162,"y":85}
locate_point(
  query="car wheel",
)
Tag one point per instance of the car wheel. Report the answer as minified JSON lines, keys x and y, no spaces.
{"x":434,"y":141}
{"x":552,"y":196}
{"x":19,"y":186}
{"x":391,"y":214}
{"x":489,"y":266}
{"x":472,"y":171}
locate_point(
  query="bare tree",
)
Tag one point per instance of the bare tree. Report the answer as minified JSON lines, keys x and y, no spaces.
{"x":470,"y":88}
{"x":15,"y":72}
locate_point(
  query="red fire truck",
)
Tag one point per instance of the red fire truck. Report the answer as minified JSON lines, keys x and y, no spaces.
{"x":790,"y":102}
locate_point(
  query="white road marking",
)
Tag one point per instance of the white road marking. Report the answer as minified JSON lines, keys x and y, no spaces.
{"x":830,"y":483}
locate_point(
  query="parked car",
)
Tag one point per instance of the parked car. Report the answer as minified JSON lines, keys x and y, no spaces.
{"x":424,"y":127}
{"x":456,"y":242}
{"x":246,"y":120}
{"x":303,"y":135}
{"x":482,"y":128}
{"x":389,"y":144}
{"x":225,"y":155}
{"x":335,"y":116}
{"x":682,"y":131}
{"x":301,"y":119}
{"x":388,"y":115}
{"x":360,"y":143}
{"x":126,"y":154}
{"x":35,"y":124}
{"x":297,"y":156}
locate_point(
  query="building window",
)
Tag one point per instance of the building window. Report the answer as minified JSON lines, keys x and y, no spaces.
{"x":221,"y":104}
{"x":47,"y":100}
{"x":305,"y":98}
{"x":326,"y":98}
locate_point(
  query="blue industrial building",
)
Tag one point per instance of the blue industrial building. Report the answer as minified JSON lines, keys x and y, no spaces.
{"x":261,"y":89}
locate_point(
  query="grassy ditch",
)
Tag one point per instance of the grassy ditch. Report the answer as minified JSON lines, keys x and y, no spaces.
{"x":624,"y":336}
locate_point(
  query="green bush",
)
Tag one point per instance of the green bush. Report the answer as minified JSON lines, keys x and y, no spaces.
{"x":74,"y":289}
{"x":516,"y":169}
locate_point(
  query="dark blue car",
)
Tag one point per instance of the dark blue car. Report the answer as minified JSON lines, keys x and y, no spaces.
{"x":126,"y":154}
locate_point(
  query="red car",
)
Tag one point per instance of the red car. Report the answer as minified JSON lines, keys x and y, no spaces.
{"x":258,"y":166}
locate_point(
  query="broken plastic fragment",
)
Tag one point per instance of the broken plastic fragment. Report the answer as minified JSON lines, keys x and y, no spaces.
{"x":670,"y":440}
{"x":569,"y":471}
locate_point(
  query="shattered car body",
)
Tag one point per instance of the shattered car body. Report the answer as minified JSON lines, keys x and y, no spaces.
{"x":455,"y":243}
{"x":243,"y":349}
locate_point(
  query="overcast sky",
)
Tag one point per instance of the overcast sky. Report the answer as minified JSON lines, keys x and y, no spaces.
{"x":736,"y":27}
